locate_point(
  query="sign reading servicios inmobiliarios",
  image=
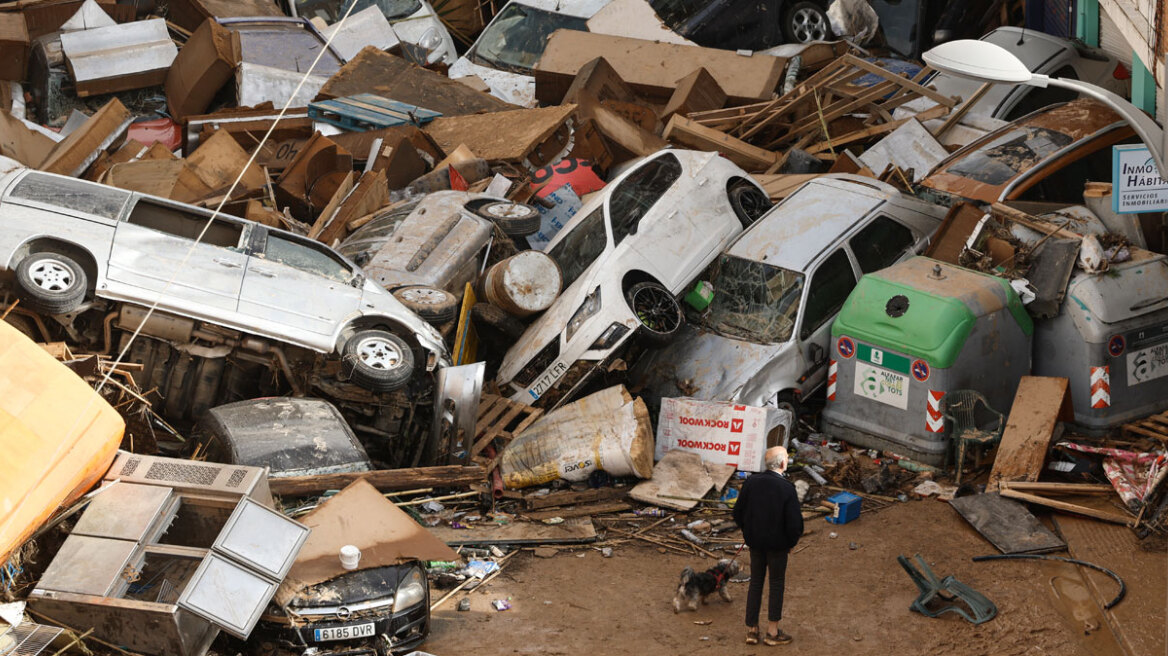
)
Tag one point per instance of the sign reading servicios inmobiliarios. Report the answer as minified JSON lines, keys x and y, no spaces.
{"x":1136,"y":182}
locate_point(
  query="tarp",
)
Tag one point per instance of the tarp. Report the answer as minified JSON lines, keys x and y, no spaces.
{"x":1133,"y":474}
{"x":57,"y":437}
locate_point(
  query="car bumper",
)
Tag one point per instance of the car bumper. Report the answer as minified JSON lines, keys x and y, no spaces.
{"x":566,"y":373}
{"x":401,"y":631}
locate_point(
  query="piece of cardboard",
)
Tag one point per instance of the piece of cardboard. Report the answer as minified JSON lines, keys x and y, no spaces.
{"x":360,"y":516}
{"x":679,"y":481}
{"x":14,"y":46}
{"x":368,"y":196}
{"x":380,"y":73}
{"x":318,"y":157}
{"x":653,"y":69}
{"x":21,"y":143}
{"x":190,"y":14}
{"x":81,"y":148}
{"x":206,"y":62}
{"x":154,"y":177}
{"x":508,"y":136}
{"x":217,"y":162}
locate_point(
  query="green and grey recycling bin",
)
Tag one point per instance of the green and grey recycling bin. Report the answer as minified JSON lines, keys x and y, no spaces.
{"x":906,"y":337}
{"x":1110,"y":340}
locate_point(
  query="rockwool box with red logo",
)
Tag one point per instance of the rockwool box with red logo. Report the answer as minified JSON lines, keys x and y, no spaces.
{"x":721,"y":433}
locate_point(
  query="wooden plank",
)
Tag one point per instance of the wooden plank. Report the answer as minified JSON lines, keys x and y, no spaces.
{"x":580,"y":511}
{"x":860,"y":135}
{"x":571,"y":497}
{"x":694,"y":135}
{"x":572,"y":531}
{"x":903,"y":82}
{"x":386,"y":480}
{"x":535,"y":413}
{"x":1062,"y":488}
{"x":1145,"y":433}
{"x":962,"y":110}
{"x":495,"y":407}
{"x":1039,"y":404}
{"x":1077,"y":509}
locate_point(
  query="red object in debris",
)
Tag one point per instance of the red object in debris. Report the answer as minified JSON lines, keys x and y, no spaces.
{"x":457,"y":182}
{"x":1121,"y":72}
{"x":163,"y":130}
{"x":577,"y":172}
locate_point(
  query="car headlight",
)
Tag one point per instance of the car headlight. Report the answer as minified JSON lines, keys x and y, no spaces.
{"x":430,"y":40}
{"x":589,"y":307}
{"x":411,"y":592}
{"x":610,"y":336}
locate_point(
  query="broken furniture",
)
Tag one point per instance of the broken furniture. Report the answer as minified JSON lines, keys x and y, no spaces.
{"x":960,"y":408}
{"x":366,"y":111}
{"x":948,"y":590}
{"x":168,"y":553}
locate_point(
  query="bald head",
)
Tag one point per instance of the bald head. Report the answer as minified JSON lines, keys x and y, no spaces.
{"x":776,"y":459}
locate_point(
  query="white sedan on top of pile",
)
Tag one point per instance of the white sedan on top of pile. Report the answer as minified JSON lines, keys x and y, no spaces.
{"x":626,"y":256}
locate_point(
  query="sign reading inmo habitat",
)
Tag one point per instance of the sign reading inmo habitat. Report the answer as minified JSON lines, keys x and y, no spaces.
{"x":1136,"y":182}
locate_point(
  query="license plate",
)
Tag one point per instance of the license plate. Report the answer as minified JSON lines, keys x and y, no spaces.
{"x":548,"y":379}
{"x":344,"y":632}
{"x":887,"y":387}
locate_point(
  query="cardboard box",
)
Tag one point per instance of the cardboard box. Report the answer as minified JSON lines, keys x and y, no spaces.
{"x":721,"y":433}
{"x":14,"y":47}
{"x":202,"y":67}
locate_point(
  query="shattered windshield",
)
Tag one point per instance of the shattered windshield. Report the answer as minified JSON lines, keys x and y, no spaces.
{"x":517,"y":37}
{"x":332,"y":10}
{"x":1000,"y":160}
{"x":580,"y":247}
{"x":754,"y":301}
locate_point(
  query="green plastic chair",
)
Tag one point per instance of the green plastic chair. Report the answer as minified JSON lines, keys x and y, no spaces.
{"x":948,"y":590}
{"x":960,"y":408}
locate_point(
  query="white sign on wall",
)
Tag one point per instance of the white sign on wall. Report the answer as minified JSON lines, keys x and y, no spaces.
{"x":1136,"y":185}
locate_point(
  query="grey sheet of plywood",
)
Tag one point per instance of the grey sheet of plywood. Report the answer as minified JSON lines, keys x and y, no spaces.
{"x":679,"y":480}
{"x":572,"y":531}
{"x":1007,"y":524}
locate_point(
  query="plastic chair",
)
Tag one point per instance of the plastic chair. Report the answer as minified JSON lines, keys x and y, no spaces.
{"x":949,"y":590}
{"x":960,"y":408}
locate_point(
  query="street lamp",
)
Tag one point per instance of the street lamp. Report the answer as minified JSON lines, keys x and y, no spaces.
{"x":986,"y":62}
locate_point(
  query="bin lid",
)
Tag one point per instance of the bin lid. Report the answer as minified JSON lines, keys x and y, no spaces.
{"x":1126,"y":291}
{"x":925,"y":308}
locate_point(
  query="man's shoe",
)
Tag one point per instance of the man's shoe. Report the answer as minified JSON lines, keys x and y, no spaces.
{"x":752,"y":635}
{"x":778,"y":639}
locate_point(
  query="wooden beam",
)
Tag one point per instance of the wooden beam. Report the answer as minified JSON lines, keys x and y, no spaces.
{"x":962,"y":110}
{"x":694,"y":135}
{"x":901,"y":81}
{"x":569,"y":497}
{"x":386,"y":480}
{"x":601,"y":508}
{"x":1116,"y":518}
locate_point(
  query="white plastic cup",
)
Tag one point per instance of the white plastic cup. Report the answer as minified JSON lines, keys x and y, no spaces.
{"x":350,"y":556}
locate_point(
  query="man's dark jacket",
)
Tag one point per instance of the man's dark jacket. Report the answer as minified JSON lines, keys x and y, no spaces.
{"x":767,"y":511}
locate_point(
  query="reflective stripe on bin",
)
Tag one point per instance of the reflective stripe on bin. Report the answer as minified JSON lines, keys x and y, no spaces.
{"x":832,"y":369}
{"x":1100,"y":387}
{"x":934,"y":420}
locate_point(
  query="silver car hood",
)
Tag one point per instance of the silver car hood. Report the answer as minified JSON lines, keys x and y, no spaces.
{"x":705,"y":365}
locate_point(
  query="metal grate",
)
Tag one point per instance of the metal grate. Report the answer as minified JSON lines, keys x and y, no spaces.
{"x":237,"y":477}
{"x":180,"y":473}
{"x":131,"y":466}
{"x":31,"y":639}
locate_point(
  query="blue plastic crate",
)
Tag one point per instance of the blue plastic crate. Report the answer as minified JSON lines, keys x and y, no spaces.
{"x":847,"y":507}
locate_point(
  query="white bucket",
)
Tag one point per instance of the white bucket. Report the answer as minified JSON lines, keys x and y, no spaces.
{"x":350,"y":556}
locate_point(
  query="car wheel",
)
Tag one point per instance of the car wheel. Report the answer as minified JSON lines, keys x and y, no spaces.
{"x":806,"y":22}
{"x":498,"y":320}
{"x":437,"y":306}
{"x":748,"y":203}
{"x":52,"y":283}
{"x":657,"y":311}
{"x":514,"y":219}
{"x":378,"y":360}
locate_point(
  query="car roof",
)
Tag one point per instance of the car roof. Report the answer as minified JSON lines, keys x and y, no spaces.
{"x":1036,"y":48}
{"x":793,"y":233}
{"x":580,"y":8}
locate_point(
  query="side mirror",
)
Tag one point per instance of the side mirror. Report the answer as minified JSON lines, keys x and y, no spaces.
{"x":358,"y":281}
{"x":815,"y":352}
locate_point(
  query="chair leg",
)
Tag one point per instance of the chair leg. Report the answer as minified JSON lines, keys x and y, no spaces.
{"x":960,"y":459}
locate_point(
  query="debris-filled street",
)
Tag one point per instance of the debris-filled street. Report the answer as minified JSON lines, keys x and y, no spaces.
{"x":434,"y":328}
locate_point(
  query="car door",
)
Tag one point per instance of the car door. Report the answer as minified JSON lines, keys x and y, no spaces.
{"x":177,"y":249}
{"x":882,"y":242}
{"x":644,"y":224}
{"x":297,"y":284}
{"x":832,"y":279}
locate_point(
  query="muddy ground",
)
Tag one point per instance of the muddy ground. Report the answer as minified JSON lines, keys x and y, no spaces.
{"x":839,"y":600}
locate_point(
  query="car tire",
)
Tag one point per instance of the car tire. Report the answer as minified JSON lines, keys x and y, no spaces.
{"x":805,"y":22}
{"x":436,"y":306}
{"x":378,"y":360}
{"x":514,"y":219}
{"x":658,"y":312}
{"x":498,"y":320}
{"x":749,"y":203}
{"x":51,"y":282}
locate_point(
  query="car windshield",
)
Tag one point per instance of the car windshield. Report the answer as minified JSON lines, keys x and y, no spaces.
{"x":580,"y":247}
{"x":516,"y":38}
{"x":754,"y":301}
{"x":332,"y":10}
{"x":1002,"y":159}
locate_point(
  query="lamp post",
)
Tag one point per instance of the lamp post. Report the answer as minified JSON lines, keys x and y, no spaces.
{"x":986,"y":62}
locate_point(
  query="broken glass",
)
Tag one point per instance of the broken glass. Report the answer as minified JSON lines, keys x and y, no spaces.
{"x":516,"y":39}
{"x":754,"y":301}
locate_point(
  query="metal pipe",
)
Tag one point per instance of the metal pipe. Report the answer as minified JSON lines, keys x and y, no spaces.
{"x":1122,"y":587}
{"x":107,"y":332}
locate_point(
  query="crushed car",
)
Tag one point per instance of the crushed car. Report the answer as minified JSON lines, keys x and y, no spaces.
{"x":764,"y":337}
{"x":412,"y":21}
{"x":625,"y":257}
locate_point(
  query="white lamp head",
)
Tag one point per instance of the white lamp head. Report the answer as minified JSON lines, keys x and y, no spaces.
{"x":978,"y":60}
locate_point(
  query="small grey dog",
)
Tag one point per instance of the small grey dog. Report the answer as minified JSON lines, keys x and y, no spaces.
{"x":695,"y":587}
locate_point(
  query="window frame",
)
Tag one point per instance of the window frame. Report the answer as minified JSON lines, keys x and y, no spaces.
{"x":805,"y":331}
{"x":870,"y":223}
{"x":259,"y":247}
{"x":628,"y":182}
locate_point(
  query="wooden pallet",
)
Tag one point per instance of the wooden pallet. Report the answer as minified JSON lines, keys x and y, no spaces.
{"x":366,"y":111}
{"x":1155,"y":427}
{"x":500,"y":418}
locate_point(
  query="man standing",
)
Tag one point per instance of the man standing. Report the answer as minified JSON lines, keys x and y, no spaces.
{"x":767,"y":511}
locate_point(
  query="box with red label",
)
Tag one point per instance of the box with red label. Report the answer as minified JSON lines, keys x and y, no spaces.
{"x":721,"y":433}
